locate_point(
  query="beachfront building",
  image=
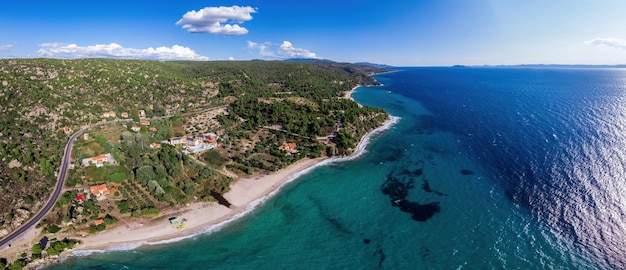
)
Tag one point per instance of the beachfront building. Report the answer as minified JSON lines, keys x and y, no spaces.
{"x":288,"y":147}
{"x":99,"y":161}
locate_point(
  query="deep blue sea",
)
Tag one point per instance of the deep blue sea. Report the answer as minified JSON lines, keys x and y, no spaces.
{"x":487,"y":168}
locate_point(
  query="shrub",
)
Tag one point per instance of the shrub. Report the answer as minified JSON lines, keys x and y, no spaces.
{"x":118,"y":177}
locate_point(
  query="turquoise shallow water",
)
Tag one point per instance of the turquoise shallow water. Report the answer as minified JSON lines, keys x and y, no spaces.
{"x":337,"y":216}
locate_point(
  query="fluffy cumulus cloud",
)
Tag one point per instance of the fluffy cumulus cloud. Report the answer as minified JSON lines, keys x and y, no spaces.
{"x":217,"y":20}
{"x":114,"y":50}
{"x":283,"y":51}
{"x":288,"y":50}
{"x":608,"y":42}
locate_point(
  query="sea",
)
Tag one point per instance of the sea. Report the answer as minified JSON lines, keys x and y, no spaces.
{"x":482,"y":168}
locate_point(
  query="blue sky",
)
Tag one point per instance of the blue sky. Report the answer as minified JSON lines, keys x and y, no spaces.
{"x":397,"y":32}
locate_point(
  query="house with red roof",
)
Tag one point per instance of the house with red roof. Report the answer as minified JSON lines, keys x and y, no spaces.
{"x":101,"y":189}
{"x":288,"y":147}
{"x":99,"y":161}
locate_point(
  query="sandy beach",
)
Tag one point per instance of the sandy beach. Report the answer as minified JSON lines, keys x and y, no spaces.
{"x":348,"y":94}
{"x":201,"y":217}
{"x":245,"y":195}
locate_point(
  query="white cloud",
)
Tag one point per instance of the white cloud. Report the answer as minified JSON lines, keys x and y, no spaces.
{"x":608,"y":42}
{"x":114,"y":50}
{"x":231,"y":58}
{"x":262,"y":48}
{"x":286,"y":49}
{"x":283,"y":51}
{"x":5,"y":47}
{"x":217,"y":20}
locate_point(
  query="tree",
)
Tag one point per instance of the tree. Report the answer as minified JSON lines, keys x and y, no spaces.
{"x":144,"y":174}
{"x":36,"y":249}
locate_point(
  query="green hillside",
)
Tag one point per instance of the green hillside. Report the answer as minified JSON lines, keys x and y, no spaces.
{"x":257,"y":106}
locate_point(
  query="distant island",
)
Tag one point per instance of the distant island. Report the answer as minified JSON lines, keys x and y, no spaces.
{"x":156,"y":139}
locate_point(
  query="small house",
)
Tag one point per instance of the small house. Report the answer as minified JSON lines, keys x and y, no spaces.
{"x":288,"y":147}
{"x":101,"y":189}
{"x":99,"y":160}
{"x":65,"y":129}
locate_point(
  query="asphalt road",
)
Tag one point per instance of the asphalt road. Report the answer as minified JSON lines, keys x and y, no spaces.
{"x":53,"y":198}
{"x":65,"y":162}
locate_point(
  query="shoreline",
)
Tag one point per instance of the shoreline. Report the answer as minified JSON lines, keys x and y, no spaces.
{"x":348,"y":94}
{"x":246,"y":195}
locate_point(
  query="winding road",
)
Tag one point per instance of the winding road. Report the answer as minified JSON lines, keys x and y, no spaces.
{"x":65,"y":162}
{"x":55,"y":193}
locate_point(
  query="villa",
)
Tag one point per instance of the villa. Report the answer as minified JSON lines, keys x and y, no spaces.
{"x":125,"y":114}
{"x":99,"y":190}
{"x":99,"y":160}
{"x":177,"y":140}
{"x":288,"y":147}
{"x":144,"y":122}
{"x":199,"y":148}
{"x":135,"y":128}
{"x":142,"y":114}
{"x":109,"y":114}
{"x":195,"y":144}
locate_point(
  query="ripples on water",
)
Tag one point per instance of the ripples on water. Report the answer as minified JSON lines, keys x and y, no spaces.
{"x":555,"y":139}
{"x":526,"y":167}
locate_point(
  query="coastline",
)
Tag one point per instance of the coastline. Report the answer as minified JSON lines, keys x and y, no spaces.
{"x":348,"y":94}
{"x":246,"y":194}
